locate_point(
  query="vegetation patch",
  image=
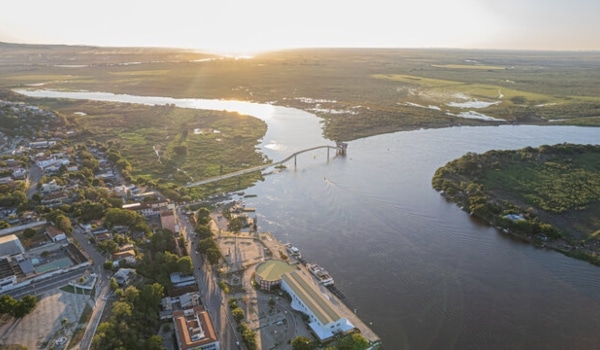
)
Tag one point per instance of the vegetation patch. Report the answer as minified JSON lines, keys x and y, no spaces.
{"x":366,"y":87}
{"x":546,"y":194}
{"x":468,"y":66}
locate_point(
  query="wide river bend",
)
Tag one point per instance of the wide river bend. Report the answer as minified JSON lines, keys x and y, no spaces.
{"x":418,"y":268}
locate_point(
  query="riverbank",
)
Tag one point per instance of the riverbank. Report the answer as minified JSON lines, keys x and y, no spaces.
{"x":357,"y":92}
{"x":242,"y":252}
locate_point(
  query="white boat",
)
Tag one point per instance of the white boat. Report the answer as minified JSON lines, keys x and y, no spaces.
{"x":293,"y":251}
{"x":321,"y":274}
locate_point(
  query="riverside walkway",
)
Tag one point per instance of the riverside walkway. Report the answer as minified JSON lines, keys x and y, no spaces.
{"x":263,"y":167}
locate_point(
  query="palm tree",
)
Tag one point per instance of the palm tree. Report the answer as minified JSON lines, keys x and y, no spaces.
{"x":63,"y":323}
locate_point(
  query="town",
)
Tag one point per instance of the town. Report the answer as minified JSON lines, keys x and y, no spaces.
{"x":83,"y":249}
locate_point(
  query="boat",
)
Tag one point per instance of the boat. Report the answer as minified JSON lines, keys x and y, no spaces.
{"x":293,"y":251}
{"x":321,"y":274}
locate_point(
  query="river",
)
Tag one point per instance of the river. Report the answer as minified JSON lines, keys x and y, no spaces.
{"x":418,"y":268}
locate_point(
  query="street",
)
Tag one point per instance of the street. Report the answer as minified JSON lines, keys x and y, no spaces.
{"x":210,"y":292}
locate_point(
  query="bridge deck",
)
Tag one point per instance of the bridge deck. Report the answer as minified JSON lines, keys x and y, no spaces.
{"x":253,"y":169}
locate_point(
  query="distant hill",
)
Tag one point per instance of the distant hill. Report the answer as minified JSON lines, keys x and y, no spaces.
{"x":37,"y":54}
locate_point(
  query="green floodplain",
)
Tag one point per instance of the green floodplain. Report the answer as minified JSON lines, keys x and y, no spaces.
{"x":548,"y":195}
{"x":357,"y":92}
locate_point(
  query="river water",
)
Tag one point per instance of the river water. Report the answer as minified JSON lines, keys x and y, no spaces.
{"x":420,"y":270}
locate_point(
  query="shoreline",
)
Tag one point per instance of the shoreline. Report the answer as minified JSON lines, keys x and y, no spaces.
{"x":269,"y":242}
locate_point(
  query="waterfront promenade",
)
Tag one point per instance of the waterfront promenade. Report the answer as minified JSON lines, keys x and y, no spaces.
{"x":246,"y":250}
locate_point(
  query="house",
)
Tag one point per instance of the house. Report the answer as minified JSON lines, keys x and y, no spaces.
{"x":127,"y":256}
{"x":101,"y":234}
{"x":42,"y":144}
{"x":55,"y":234}
{"x":51,"y":186}
{"x":143,"y":208}
{"x":124,"y":276}
{"x":19,"y":173}
{"x":6,"y":179}
{"x":54,"y":199}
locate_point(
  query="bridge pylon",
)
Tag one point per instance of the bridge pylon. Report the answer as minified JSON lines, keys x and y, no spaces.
{"x":340,"y":148}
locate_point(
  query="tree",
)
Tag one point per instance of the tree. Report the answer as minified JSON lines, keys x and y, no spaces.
{"x":63,"y":323}
{"x":302,"y":343}
{"x":24,"y":306}
{"x":235,"y":225}
{"x":29,"y":233}
{"x":7,"y":304}
{"x":203,"y":231}
{"x":64,"y":223}
{"x":151,"y":295}
{"x":213,"y":255}
{"x":154,"y":343}
{"x":354,"y":341}
{"x":180,"y":150}
{"x":238,"y":314}
{"x":202,"y":216}
{"x":185,"y":265}
{"x":113,"y":283}
{"x":132,"y":294}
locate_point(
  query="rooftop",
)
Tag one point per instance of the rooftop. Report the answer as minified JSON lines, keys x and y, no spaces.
{"x":10,"y":245}
{"x":307,"y":291}
{"x":194,"y":328}
{"x":272,"y":270}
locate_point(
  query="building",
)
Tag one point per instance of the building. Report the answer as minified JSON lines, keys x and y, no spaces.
{"x":10,"y":246}
{"x":55,"y":233}
{"x":194,"y":330}
{"x":324,"y":319}
{"x":147,"y":209}
{"x":179,"y":280}
{"x":124,"y":276}
{"x":55,"y":199}
{"x":168,"y":220}
{"x":127,"y":256}
{"x":268,"y":274}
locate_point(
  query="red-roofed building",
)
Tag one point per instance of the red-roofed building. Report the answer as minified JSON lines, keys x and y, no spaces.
{"x":55,"y":233}
{"x":194,"y":330}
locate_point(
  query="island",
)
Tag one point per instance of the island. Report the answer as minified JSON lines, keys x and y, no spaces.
{"x":548,"y":196}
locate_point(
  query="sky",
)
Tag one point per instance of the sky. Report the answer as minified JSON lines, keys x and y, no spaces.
{"x":250,"y":26}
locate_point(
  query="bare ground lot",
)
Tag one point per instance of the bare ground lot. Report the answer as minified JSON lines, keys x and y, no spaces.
{"x":40,"y":328}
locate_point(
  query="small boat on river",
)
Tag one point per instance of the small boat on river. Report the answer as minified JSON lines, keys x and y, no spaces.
{"x":321,"y":274}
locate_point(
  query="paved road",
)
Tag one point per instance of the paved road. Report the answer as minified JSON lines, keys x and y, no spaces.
{"x":35,"y":174}
{"x":102,"y":288}
{"x":41,"y":287}
{"x":211,"y":294}
{"x":90,"y":331}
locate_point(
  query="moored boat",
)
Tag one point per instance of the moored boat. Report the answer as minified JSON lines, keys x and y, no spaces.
{"x":321,"y":274}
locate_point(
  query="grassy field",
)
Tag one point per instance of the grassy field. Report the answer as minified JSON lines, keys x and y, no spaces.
{"x":558,"y":185}
{"x":371,"y":91}
{"x":148,"y":137}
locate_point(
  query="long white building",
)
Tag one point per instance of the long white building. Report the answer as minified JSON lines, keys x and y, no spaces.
{"x":324,"y":319}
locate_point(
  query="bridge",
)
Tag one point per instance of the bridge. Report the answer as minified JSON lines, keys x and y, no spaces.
{"x":340,"y":149}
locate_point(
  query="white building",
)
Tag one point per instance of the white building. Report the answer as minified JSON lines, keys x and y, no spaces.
{"x":324,"y":319}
